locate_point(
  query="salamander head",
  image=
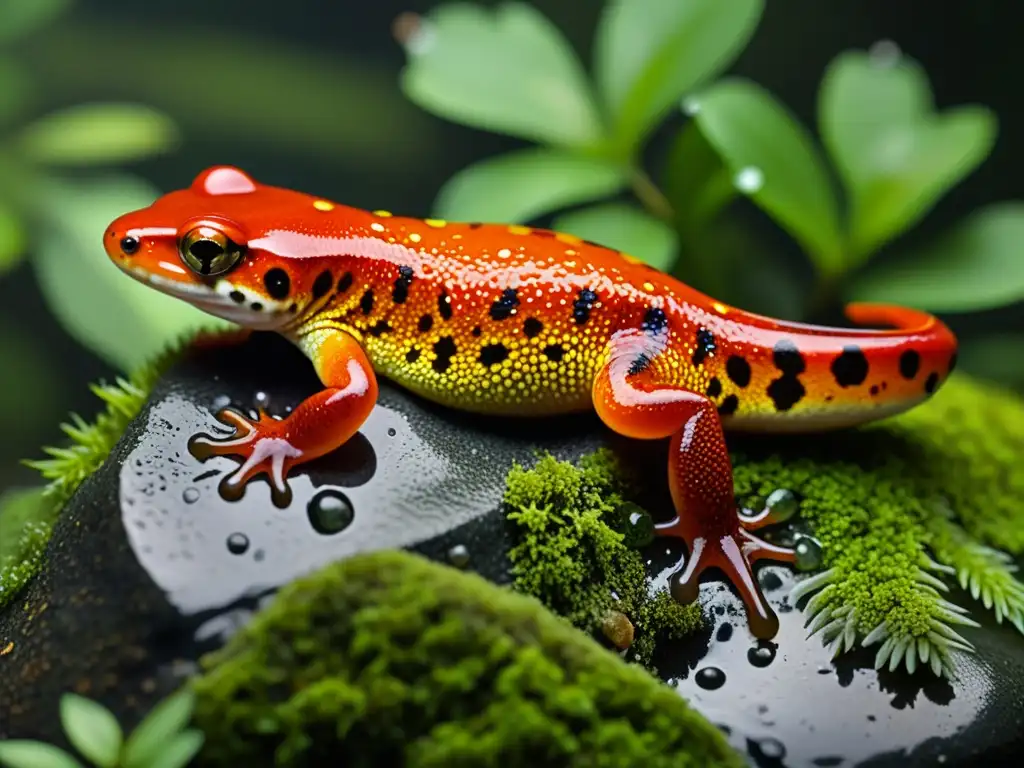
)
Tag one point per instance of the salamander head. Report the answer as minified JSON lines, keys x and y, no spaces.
{"x":204,"y":245}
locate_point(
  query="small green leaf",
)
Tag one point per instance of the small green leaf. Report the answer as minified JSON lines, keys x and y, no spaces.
{"x":520,"y":186}
{"x":696,"y":181}
{"x":895,"y":155}
{"x":625,"y":228}
{"x":166,"y":720}
{"x":976,"y":266}
{"x":18,"y":508}
{"x":18,"y":753}
{"x":14,"y":90}
{"x":12,"y":238}
{"x":774,"y":161}
{"x":649,"y":53}
{"x":507,"y":70}
{"x":179,"y":751}
{"x":92,"y":729}
{"x":98,"y":133}
{"x":20,"y":19}
{"x":121,"y":320}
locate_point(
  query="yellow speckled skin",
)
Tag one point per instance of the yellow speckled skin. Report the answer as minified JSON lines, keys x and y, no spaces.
{"x":521,"y":321}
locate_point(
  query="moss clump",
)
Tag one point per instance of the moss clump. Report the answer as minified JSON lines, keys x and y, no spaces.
{"x":899,"y":505}
{"x":390,"y":659}
{"x":573,"y":528}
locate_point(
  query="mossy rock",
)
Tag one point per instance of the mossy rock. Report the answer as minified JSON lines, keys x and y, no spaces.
{"x":388,"y":659}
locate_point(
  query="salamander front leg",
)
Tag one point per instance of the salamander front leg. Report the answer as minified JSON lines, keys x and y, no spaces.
{"x":700,"y":480}
{"x":320,"y":424}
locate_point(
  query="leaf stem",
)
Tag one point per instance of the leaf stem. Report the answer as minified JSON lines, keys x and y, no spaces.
{"x":653,"y":199}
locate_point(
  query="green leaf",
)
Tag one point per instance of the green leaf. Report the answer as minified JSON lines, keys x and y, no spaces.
{"x":975,"y":266}
{"x":18,"y":753}
{"x":91,"y":134}
{"x":166,"y":720}
{"x":507,"y":70}
{"x":14,"y":90}
{"x":649,"y":53}
{"x":18,"y":508}
{"x":20,"y":19}
{"x":774,"y":161}
{"x":121,"y":320}
{"x":520,"y":186}
{"x":895,"y":155}
{"x":12,"y":238}
{"x":92,"y":729}
{"x":995,"y":357}
{"x":696,"y":181}
{"x":625,"y":228}
{"x":180,"y":750}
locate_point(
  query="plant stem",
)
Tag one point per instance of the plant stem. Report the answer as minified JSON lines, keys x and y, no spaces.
{"x":653,"y":199}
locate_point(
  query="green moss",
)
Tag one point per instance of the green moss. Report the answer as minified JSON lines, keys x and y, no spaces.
{"x":900,"y":505}
{"x":390,"y":659}
{"x":572,"y":549}
{"x":29,"y":522}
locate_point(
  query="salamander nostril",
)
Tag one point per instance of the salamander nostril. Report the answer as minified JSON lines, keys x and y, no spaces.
{"x":129,"y":245}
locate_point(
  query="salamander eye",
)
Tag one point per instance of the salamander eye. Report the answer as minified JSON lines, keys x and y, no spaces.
{"x":129,"y":245}
{"x":208,"y":251}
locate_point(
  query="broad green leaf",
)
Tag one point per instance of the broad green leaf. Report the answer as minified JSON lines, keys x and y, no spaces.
{"x":507,"y":70}
{"x":649,"y":53}
{"x":19,"y":18}
{"x":12,"y":238}
{"x":18,"y":508}
{"x":896,"y":156}
{"x":118,"y":318}
{"x":976,"y":266}
{"x":14,"y":90}
{"x":996,"y":357}
{"x":164,"y":722}
{"x":92,"y":729}
{"x":523,"y":185}
{"x":696,"y":181}
{"x":179,"y":751}
{"x":32,"y":387}
{"x":626,"y":228}
{"x":98,"y":133}
{"x":774,"y":161}
{"x":19,"y":753}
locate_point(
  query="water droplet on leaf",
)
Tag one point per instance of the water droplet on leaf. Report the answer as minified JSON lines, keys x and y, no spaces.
{"x":808,"y":553}
{"x":749,"y":180}
{"x":885,"y":54}
{"x":691,"y":106}
{"x":782,"y":505}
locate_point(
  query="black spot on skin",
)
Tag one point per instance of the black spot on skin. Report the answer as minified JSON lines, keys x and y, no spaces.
{"x":874,"y":390}
{"x":654,"y":321}
{"x":277,"y":283}
{"x":475,"y":225}
{"x":476,"y":330}
{"x":738,"y":370}
{"x":444,"y":306}
{"x":322,"y":284}
{"x":379,"y":329}
{"x":639,"y":364}
{"x":714,"y":388}
{"x":910,"y":363}
{"x":582,"y":306}
{"x":786,"y":392}
{"x":851,"y":367}
{"x":256,"y":306}
{"x":492,"y":354}
{"x":506,"y":305}
{"x":554,"y":352}
{"x":544,"y":232}
{"x":412,"y":355}
{"x":532,"y":327}
{"x":787,"y":358}
{"x":345,"y":282}
{"x":426,"y":323}
{"x":952,"y":362}
{"x":237,"y":296}
{"x":931,"y":382}
{"x":366,"y":303}
{"x":729,"y":405}
{"x":401,"y":289}
{"x":293,"y":308}
{"x":705,"y":346}
{"x":445,"y":349}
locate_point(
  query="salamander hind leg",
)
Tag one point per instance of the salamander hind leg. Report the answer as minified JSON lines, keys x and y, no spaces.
{"x":318,"y":425}
{"x":630,"y":399}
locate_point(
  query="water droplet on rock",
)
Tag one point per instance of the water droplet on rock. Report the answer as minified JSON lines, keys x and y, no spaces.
{"x":710,"y":678}
{"x":330,"y":512}
{"x":766,"y":750}
{"x":238,"y":543}
{"x":262,"y":400}
{"x":762,"y":654}
{"x":458,"y":556}
{"x":782,"y":504}
{"x":808,"y":553}
{"x":392,"y":431}
{"x":190,"y":495}
{"x":724,"y":632}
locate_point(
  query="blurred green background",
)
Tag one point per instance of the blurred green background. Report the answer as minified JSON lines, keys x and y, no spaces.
{"x":105,"y":104}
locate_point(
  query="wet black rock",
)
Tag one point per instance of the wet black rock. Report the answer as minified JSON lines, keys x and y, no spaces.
{"x":149,"y":567}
